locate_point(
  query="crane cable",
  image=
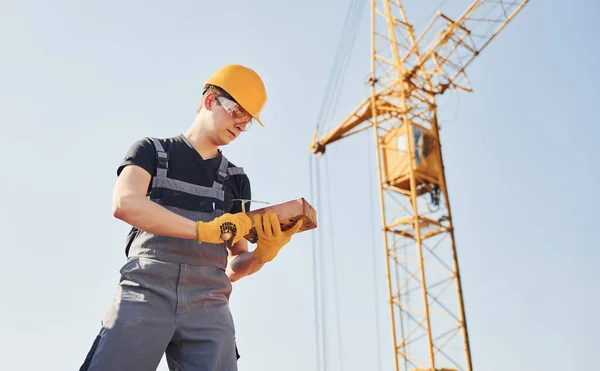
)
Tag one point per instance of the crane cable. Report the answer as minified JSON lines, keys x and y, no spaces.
{"x":334,"y":270}
{"x":316,"y":291}
{"x":374,"y":257}
{"x":327,"y":108}
{"x":340,"y":63}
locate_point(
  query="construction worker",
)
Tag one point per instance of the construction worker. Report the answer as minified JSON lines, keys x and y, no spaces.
{"x":179,"y":196}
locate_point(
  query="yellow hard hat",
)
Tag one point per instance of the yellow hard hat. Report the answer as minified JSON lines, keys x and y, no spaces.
{"x":244,"y":85}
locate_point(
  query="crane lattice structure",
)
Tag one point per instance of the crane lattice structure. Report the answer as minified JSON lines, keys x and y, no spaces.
{"x":428,"y":321}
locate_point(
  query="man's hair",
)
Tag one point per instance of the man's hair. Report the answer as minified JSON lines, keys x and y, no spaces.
{"x":217,"y":91}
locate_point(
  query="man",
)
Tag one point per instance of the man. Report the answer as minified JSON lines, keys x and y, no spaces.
{"x":179,"y":194}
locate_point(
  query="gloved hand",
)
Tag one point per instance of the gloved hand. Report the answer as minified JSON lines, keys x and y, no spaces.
{"x":211,"y":231}
{"x":270,"y":237}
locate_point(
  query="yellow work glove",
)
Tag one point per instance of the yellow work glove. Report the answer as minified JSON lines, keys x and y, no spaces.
{"x":270,"y":237}
{"x":211,"y":231}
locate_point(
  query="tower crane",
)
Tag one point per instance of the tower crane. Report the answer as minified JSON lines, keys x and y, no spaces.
{"x":408,"y":72}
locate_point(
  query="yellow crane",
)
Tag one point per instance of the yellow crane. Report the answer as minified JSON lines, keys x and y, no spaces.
{"x":408,"y":72}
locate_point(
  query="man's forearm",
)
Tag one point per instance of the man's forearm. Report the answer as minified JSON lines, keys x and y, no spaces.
{"x":243,"y":264}
{"x":149,"y":216}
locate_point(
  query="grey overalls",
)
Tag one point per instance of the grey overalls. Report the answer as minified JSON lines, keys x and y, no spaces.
{"x":173,"y":295}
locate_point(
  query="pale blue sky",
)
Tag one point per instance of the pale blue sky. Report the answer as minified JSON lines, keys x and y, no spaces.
{"x":81,"y":81}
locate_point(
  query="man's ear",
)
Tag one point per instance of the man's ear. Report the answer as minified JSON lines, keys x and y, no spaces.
{"x":207,"y":101}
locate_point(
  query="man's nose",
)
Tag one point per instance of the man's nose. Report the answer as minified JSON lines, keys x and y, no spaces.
{"x":240,"y":127}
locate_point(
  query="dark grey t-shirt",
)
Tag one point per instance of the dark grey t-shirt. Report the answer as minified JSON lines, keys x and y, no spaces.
{"x":186,"y":164}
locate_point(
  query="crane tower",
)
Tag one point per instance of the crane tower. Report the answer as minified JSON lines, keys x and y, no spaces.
{"x":408,"y":72}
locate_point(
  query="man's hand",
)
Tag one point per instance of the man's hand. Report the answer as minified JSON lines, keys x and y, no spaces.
{"x":211,"y":231}
{"x":270,"y":237}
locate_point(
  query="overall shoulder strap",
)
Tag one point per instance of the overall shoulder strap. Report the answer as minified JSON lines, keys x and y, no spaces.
{"x":162,"y":167}
{"x":221,"y":173}
{"x":162,"y":158}
{"x":224,"y":172}
{"x":235,"y":171}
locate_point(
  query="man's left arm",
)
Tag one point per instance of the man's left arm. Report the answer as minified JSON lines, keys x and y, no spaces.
{"x":241,"y":262}
{"x":270,"y":240}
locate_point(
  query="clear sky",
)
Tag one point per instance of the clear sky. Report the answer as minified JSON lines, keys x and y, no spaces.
{"x":81,"y":81}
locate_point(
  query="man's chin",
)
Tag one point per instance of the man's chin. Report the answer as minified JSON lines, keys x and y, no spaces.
{"x":226,"y":140}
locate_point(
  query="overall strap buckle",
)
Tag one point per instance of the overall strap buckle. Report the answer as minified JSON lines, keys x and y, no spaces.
{"x":162,"y":159}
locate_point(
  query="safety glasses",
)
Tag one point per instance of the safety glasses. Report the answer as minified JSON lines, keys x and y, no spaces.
{"x":239,"y":115}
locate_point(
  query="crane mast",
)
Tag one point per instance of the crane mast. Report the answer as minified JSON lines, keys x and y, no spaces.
{"x":408,"y":72}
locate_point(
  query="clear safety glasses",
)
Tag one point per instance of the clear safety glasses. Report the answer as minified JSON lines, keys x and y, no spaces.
{"x":239,"y":115}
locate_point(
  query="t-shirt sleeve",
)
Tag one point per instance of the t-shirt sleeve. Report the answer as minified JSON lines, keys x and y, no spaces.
{"x":244,"y":192}
{"x":142,"y":154}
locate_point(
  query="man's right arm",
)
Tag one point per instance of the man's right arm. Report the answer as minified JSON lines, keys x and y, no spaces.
{"x":131,"y":205}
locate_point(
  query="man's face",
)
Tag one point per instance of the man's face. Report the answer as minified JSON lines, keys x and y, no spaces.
{"x":229,"y":118}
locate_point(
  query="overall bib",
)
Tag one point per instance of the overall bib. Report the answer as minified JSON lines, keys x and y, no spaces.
{"x":173,"y":294}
